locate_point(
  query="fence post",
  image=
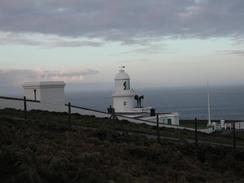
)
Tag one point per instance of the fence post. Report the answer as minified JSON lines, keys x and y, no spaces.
{"x":25,"y":108}
{"x":158,"y":132}
{"x":234,"y":134}
{"x":196,"y":133}
{"x":69,"y":114}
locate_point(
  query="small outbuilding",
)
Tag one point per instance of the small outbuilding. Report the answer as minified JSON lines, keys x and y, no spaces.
{"x":50,"y":92}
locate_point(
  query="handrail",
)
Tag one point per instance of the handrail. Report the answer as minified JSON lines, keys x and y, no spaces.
{"x":118,"y":115}
{"x":88,"y":109}
{"x":94,"y":110}
{"x":126,"y":117}
{"x":213,"y":120}
{"x":19,"y":99}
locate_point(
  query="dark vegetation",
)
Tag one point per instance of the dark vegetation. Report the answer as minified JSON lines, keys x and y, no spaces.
{"x":46,"y":148}
{"x":202,"y":124}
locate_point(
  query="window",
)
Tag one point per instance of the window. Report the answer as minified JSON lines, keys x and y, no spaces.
{"x":124,"y":103}
{"x":125,"y":85}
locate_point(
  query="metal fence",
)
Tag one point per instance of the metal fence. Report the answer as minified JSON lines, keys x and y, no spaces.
{"x":70,"y":109}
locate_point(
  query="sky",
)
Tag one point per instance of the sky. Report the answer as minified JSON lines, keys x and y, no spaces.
{"x":162,"y":43}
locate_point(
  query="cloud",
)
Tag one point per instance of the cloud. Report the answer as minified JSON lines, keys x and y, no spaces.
{"x":232,"y":52}
{"x":16,"y":77}
{"x":70,"y":76}
{"x":124,"y":21}
{"x":8,"y":38}
{"x":150,"y":49}
{"x":139,"y":61}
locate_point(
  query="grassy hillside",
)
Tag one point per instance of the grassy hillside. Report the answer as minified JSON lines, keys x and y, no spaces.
{"x":45,"y":148}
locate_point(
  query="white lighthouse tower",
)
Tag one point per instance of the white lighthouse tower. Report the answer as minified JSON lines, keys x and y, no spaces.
{"x":127,"y":103}
{"x":123,"y":96}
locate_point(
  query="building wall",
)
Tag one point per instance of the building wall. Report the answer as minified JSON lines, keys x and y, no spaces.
{"x":123,"y":104}
{"x":240,"y":125}
{"x":52,"y":95}
{"x":165,"y":119}
{"x":29,"y":93}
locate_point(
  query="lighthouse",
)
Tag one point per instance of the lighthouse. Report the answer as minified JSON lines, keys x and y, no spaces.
{"x":123,"y":96}
{"x":128,"y":103}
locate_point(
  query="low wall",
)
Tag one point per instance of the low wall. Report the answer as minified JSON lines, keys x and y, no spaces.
{"x":89,"y":112}
{"x":17,"y":103}
{"x":151,"y":123}
{"x":6,"y":102}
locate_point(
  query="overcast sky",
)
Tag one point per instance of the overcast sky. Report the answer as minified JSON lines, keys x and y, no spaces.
{"x":162,"y":43}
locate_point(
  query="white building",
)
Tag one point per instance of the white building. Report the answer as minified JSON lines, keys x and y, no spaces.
{"x":123,"y":96}
{"x":127,"y":103}
{"x":229,"y":125}
{"x":224,"y":125}
{"x":165,"y":118}
{"x":51,"y":92}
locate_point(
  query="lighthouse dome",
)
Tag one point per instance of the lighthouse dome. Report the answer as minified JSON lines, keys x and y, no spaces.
{"x":122,"y":75}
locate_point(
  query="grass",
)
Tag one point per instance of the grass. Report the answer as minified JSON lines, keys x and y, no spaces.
{"x":46,"y":149}
{"x":224,"y":137}
{"x":191,"y":124}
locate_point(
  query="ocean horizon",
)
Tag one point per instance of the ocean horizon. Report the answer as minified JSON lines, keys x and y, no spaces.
{"x":226,"y":102}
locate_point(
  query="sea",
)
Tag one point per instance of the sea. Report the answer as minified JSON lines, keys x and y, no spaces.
{"x":226,"y":103}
